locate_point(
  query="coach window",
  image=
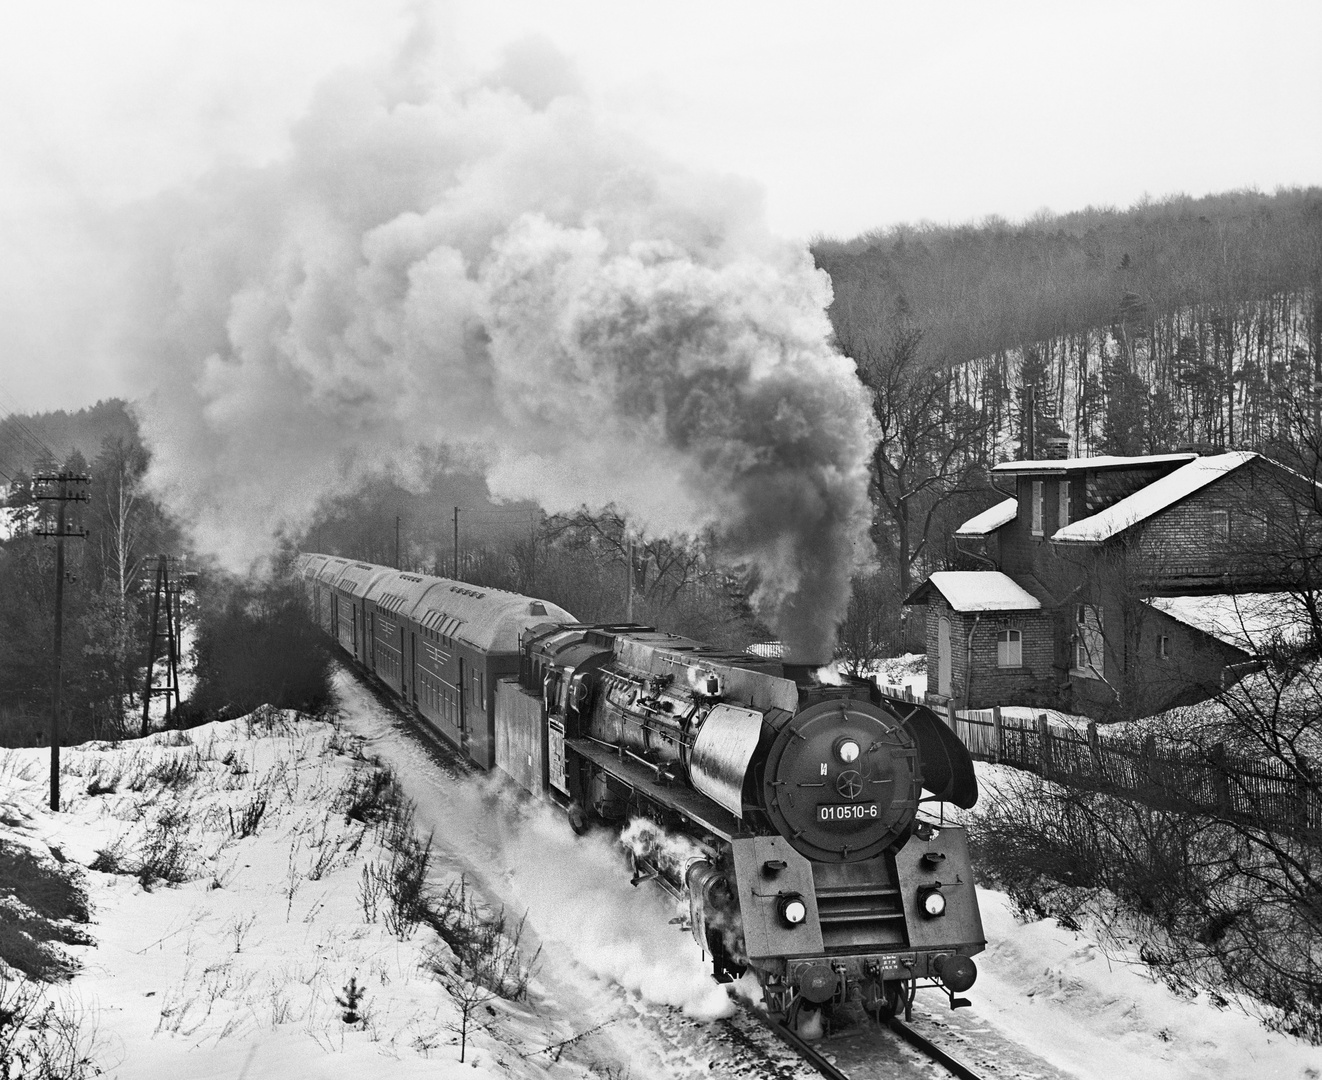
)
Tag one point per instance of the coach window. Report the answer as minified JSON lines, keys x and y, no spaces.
{"x":1163,"y":647}
{"x":1037,"y":507}
{"x":1009,"y":649}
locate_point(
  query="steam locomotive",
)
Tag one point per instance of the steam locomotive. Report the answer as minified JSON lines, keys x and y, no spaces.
{"x":809,"y":854}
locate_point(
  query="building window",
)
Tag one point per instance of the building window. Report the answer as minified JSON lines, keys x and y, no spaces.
{"x":1037,"y":507}
{"x":1064,"y":504}
{"x":1009,"y":649}
{"x":1088,"y":642}
{"x":1220,"y":521}
{"x":1163,"y":647}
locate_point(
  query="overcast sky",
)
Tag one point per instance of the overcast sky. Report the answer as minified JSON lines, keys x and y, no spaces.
{"x":848,"y":115}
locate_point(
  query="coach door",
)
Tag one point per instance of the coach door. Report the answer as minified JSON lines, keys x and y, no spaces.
{"x":462,"y":702}
{"x":413,"y":668}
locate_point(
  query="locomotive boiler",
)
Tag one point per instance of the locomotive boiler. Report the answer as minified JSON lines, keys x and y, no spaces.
{"x":798,"y":815}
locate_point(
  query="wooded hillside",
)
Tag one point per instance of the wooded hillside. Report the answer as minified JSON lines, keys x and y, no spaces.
{"x":1177,"y":321}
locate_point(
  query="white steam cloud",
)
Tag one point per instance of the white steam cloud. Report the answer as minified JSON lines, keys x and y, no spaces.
{"x":485,"y":267}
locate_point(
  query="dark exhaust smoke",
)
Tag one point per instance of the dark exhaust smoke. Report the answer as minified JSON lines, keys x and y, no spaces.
{"x":482,"y":266}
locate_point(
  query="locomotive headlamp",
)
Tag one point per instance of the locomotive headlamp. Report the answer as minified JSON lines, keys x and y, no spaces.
{"x":792,"y":909}
{"x":932,"y":901}
{"x":847,"y":750}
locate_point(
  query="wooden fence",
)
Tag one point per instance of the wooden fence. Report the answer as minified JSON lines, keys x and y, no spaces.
{"x":1212,"y":781}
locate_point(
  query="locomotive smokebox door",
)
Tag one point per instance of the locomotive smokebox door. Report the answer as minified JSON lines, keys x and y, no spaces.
{"x":777,"y":897}
{"x":842,"y":779}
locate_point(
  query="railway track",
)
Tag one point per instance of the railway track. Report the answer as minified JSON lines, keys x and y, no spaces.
{"x":828,"y":1069}
{"x":926,"y":1046}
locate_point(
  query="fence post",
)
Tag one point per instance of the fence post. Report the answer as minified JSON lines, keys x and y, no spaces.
{"x":997,"y":735}
{"x":1043,"y":743}
{"x":1220,"y":780}
{"x":1150,"y":771}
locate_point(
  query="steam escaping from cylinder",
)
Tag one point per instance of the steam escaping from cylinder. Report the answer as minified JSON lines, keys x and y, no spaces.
{"x":478,"y":264}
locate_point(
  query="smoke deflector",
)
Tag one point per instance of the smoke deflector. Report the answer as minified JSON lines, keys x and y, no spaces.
{"x":721,"y":754}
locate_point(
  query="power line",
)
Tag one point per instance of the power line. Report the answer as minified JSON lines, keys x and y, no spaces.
{"x":15,"y":429}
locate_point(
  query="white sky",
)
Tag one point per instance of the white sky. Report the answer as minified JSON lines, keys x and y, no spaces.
{"x":851,"y":115}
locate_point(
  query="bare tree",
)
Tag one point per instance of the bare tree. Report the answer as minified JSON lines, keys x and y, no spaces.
{"x":930,"y":449}
{"x":871,"y":627}
{"x":662,"y":568}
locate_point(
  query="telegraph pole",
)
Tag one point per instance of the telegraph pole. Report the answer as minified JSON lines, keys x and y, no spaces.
{"x":397,"y":566}
{"x":456,"y":543}
{"x":628,"y":593}
{"x":532,"y":551}
{"x":60,"y":488}
{"x":169,"y":597}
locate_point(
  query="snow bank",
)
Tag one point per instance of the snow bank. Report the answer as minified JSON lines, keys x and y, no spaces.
{"x":236,"y":971}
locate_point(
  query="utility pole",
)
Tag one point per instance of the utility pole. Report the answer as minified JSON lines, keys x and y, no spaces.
{"x":171,"y":600}
{"x":456,"y":543}
{"x":628,"y":592}
{"x":60,"y":488}
{"x":397,"y":566}
{"x":1029,"y":436}
{"x":532,"y":551}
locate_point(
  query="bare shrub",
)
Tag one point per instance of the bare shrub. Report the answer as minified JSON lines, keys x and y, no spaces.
{"x":42,"y":1041}
{"x":372,"y":795}
{"x":166,"y":855}
{"x":328,"y":852}
{"x":406,"y":886}
{"x":485,"y":944}
{"x":104,"y":783}
{"x":371,"y":887}
{"x":249,"y":818}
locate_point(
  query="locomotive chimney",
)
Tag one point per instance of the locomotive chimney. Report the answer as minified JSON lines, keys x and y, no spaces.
{"x":803,"y":674}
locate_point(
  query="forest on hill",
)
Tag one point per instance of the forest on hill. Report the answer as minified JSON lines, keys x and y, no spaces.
{"x":1176,"y":321}
{"x":83,"y":432}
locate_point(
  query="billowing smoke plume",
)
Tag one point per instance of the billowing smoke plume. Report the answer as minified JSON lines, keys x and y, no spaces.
{"x":485,"y":267}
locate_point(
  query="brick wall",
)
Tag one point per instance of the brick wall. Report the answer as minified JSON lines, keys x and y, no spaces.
{"x":1258,"y":508}
{"x":1033,"y":682}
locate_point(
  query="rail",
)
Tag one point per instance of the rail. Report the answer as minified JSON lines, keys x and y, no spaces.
{"x":823,"y":1065}
{"x":924,"y":1044}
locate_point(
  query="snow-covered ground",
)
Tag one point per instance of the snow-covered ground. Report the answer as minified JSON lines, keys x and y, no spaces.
{"x":235,"y":972}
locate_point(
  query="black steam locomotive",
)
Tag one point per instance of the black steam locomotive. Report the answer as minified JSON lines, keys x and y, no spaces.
{"x":808,"y":858}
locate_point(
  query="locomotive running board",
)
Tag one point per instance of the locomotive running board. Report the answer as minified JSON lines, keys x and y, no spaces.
{"x":692,"y":804}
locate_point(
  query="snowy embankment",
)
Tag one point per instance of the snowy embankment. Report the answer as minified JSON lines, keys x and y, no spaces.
{"x":1089,"y":1004}
{"x":235,"y":909}
{"x":241,"y":968}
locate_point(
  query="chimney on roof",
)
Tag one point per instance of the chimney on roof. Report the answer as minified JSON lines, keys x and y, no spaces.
{"x":1056,"y":447}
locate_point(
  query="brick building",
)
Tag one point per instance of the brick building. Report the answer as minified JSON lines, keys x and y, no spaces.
{"x":1119,"y":585}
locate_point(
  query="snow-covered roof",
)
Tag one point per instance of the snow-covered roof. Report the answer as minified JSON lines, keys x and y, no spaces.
{"x":1101,"y":461}
{"x":981,"y":590}
{"x":1151,"y":499}
{"x":1245,"y":620}
{"x":990,"y":519}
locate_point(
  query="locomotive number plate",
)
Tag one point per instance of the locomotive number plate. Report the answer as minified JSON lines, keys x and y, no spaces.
{"x":866,"y":811}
